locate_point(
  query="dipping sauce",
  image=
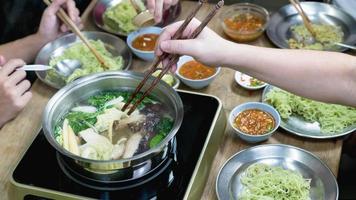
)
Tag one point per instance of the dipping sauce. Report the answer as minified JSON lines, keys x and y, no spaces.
{"x":254,"y":122}
{"x":245,"y":22}
{"x":145,"y":42}
{"x":195,"y":70}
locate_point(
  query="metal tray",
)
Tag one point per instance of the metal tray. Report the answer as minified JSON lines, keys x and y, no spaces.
{"x":299,"y":126}
{"x":323,"y":183}
{"x":278,"y":29}
{"x":113,"y":44}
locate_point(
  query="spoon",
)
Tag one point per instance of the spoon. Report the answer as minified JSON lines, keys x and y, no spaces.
{"x":64,"y":68}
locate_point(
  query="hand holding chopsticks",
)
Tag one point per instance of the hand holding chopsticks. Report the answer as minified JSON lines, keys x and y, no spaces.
{"x":67,"y":20}
{"x":172,"y":58}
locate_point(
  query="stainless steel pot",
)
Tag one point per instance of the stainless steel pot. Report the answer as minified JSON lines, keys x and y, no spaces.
{"x":112,"y":170}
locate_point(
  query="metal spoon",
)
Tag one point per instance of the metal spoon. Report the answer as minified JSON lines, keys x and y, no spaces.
{"x":64,"y":68}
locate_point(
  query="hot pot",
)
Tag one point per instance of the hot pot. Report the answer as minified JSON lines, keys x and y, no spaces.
{"x":112,"y":170}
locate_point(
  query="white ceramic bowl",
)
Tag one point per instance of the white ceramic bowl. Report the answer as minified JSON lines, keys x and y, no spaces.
{"x":195,"y":84}
{"x":243,"y":81}
{"x":254,"y":105}
{"x":144,"y":55}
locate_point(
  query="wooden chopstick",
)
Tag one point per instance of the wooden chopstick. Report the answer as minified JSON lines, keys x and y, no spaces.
{"x":305,"y":17}
{"x":175,"y":58}
{"x":178,"y":34}
{"x":66,"y":19}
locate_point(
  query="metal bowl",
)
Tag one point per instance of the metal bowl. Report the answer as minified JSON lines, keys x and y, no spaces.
{"x":323,"y":184}
{"x":279,"y":32}
{"x":102,"y":5}
{"x":112,"y":170}
{"x":113,"y":44}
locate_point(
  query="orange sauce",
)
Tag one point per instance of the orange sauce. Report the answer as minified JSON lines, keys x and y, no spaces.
{"x":254,"y":122}
{"x":145,"y":42}
{"x":245,"y":22}
{"x":195,"y":70}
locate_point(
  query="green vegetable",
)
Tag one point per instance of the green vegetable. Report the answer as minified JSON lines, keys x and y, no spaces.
{"x":168,"y":78}
{"x":90,"y":64}
{"x":162,"y":129}
{"x":119,"y":18}
{"x":261,"y":181}
{"x":80,"y":121}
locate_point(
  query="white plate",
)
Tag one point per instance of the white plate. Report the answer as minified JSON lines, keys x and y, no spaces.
{"x":244,"y":81}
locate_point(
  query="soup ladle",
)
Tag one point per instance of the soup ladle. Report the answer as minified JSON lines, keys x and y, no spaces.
{"x":64,"y":68}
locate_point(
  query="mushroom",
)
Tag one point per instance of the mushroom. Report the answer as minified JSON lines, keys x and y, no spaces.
{"x":119,"y":149}
{"x":132,"y":145}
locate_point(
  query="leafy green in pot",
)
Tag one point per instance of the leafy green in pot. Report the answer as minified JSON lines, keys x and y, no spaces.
{"x":162,"y":129}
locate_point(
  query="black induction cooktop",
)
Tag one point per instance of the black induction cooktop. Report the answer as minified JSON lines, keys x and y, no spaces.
{"x":39,"y":167}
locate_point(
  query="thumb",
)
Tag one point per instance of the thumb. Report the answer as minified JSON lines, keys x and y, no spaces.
{"x":181,"y":47}
{"x":2,"y":60}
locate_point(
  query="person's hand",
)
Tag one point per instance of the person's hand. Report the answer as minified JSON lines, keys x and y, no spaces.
{"x":205,"y":48}
{"x":51,"y":26}
{"x":157,"y":7}
{"x":14,"y":94}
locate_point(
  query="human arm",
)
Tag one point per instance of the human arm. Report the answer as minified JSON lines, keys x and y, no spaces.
{"x":157,"y":7}
{"x":323,"y":76}
{"x":50,"y":28}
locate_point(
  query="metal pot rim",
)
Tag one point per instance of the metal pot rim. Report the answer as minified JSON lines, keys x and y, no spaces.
{"x":103,"y":75}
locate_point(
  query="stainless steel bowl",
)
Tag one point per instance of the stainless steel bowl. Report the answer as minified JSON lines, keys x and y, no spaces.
{"x":323,"y":184}
{"x":113,"y":44}
{"x":279,"y":32}
{"x":112,"y":170}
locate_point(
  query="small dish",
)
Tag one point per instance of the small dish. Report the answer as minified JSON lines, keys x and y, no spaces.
{"x":323,"y":184}
{"x":175,"y":83}
{"x":244,"y":81}
{"x":195,"y":84}
{"x":254,"y":105}
{"x":244,"y":22}
{"x":144,"y":55}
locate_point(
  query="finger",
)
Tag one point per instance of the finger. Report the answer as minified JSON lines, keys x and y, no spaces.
{"x":158,"y":10}
{"x":17,"y":77}
{"x":23,"y":87}
{"x":2,"y":60}
{"x":167,"y":4}
{"x":64,"y":28}
{"x":181,"y":47}
{"x":72,"y":10}
{"x":167,"y":34}
{"x":10,"y":66}
{"x":151,"y":6}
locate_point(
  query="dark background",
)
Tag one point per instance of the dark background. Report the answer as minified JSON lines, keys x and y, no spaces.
{"x":19,"y":18}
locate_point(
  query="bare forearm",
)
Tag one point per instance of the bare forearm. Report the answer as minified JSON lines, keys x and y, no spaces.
{"x":25,"y":48}
{"x":324,"y":76}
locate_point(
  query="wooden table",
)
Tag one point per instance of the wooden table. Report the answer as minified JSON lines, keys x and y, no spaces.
{"x":18,"y":134}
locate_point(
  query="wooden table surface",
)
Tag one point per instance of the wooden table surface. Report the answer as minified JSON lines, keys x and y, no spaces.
{"x":18,"y":134}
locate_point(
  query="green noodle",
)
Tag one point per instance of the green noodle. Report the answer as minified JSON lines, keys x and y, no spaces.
{"x":326,"y":36}
{"x":89,"y":62}
{"x":263,"y":182}
{"x":332,"y":118}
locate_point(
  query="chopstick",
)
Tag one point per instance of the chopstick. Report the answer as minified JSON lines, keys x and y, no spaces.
{"x":66,"y":19}
{"x":178,"y":34}
{"x":305,"y":17}
{"x":174,"y":58}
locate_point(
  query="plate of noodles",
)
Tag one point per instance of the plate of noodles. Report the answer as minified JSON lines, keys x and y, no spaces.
{"x":309,"y":118}
{"x":331,"y":25}
{"x":114,"y":51}
{"x":278,"y":172}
